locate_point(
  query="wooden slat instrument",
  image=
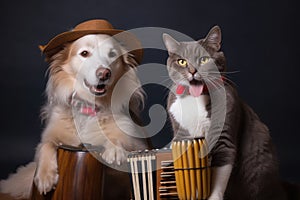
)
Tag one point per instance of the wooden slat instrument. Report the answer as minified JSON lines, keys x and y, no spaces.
{"x":182,"y":172}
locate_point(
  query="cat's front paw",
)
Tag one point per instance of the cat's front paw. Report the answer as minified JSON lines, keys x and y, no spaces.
{"x":114,"y":155}
{"x":215,"y":197}
{"x":46,"y":178}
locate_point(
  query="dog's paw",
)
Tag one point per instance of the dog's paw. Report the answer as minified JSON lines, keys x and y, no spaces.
{"x":46,"y":178}
{"x":114,"y":155}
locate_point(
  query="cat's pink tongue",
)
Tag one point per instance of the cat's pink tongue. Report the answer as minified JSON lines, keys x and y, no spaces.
{"x":196,"y":90}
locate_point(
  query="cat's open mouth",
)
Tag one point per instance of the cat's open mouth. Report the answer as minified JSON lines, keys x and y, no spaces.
{"x":196,"y":87}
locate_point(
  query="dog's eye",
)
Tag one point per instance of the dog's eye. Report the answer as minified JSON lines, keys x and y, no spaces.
{"x":112,"y":54}
{"x":84,"y":53}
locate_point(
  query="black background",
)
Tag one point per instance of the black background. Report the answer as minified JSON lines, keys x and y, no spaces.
{"x":259,"y":40}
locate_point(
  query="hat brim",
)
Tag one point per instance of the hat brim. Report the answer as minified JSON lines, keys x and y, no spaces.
{"x":132,"y":44}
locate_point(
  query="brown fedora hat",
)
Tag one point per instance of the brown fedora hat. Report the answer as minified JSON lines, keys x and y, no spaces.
{"x":96,"y":26}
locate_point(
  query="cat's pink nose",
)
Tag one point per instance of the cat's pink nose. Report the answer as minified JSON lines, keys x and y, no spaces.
{"x":192,"y":70}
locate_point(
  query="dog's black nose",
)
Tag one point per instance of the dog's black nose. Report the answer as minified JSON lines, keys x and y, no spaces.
{"x":103,"y":73}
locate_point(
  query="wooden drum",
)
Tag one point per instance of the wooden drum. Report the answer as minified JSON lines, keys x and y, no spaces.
{"x":192,"y":168}
{"x":80,"y":176}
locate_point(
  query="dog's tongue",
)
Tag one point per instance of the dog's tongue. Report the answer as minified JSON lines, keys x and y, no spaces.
{"x":196,"y":90}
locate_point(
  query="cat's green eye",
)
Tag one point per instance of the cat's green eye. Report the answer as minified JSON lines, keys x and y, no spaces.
{"x":182,"y":62}
{"x":204,"y":60}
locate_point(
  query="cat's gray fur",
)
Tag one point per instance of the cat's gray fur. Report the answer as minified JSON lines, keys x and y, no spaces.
{"x":245,"y":142}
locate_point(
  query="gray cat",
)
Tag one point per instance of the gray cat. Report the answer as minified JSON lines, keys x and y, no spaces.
{"x":243,"y":159}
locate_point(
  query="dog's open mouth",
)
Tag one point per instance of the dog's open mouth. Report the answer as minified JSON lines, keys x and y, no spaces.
{"x":97,"y":90}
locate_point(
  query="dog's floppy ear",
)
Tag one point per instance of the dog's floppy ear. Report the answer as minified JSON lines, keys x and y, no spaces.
{"x":49,"y":54}
{"x":57,"y":53}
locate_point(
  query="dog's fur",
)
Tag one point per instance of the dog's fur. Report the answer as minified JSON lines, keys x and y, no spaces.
{"x":68,"y":70}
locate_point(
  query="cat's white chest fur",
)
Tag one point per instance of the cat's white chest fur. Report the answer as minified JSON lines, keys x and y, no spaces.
{"x":190,"y":112}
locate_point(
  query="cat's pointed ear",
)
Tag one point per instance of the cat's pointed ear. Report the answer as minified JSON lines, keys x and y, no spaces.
{"x":170,"y":43}
{"x":213,"y":38}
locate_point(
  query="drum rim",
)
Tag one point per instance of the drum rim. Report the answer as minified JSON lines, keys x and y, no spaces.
{"x":189,"y":139}
{"x":81,"y":147}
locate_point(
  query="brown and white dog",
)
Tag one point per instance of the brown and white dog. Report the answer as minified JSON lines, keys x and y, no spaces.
{"x":86,"y":71}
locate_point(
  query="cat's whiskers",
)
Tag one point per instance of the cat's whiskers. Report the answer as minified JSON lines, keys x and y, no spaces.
{"x":214,"y":84}
{"x":207,"y":76}
{"x":224,"y":77}
{"x":227,"y":72}
{"x":211,"y":78}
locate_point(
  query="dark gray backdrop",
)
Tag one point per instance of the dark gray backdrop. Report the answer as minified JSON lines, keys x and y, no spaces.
{"x":259,"y":40}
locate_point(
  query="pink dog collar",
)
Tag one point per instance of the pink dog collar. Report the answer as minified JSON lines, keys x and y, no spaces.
{"x":83,"y":107}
